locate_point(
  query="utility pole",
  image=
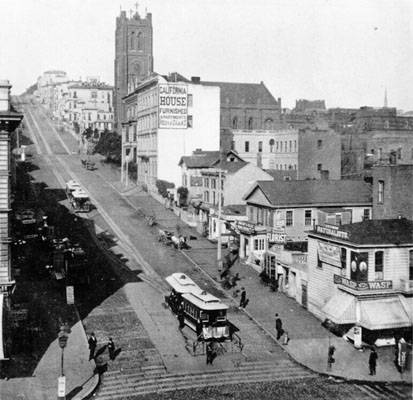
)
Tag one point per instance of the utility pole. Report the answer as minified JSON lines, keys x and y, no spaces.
{"x":219,"y":250}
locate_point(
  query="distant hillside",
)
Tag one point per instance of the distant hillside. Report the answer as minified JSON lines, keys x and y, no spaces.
{"x":30,"y":90}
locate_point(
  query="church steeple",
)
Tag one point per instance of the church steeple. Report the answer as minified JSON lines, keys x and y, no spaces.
{"x":385,"y":98}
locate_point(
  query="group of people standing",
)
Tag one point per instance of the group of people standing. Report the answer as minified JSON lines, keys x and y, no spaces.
{"x":92,"y":341}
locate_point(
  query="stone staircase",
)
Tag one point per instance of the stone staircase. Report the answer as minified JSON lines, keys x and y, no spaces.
{"x":155,"y":379}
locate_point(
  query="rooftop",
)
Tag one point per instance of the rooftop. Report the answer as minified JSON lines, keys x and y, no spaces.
{"x":314,"y":192}
{"x":379,"y":232}
{"x":200,"y":159}
{"x":246,"y":93}
{"x":280,"y":175}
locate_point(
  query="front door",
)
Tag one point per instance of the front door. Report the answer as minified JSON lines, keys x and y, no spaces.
{"x":304,"y":295}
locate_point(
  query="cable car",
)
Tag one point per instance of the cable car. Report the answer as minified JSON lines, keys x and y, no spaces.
{"x":180,"y":284}
{"x":71,"y":186}
{"x":206,"y":314}
{"x":202,"y":312}
{"x":80,"y":201}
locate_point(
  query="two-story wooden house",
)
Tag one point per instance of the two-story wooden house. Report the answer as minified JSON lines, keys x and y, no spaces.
{"x":288,"y":210}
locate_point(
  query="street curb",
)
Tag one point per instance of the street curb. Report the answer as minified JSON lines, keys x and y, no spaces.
{"x":283,"y":348}
{"x":90,"y":389}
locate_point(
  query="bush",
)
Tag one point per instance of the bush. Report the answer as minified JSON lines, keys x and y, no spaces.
{"x":163,"y":187}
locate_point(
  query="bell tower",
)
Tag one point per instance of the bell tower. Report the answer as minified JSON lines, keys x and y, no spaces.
{"x":133,"y":57}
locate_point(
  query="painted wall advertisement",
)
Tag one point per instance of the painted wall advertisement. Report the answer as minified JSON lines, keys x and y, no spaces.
{"x":329,"y":254}
{"x":173,"y":106}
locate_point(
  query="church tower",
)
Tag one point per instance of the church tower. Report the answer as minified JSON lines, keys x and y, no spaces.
{"x":133,"y":57}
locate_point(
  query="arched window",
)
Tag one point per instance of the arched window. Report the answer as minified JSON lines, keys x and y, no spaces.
{"x":132,"y":41}
{"x":272,"y":142}
{"x":250,"y":123}
{"x":139,"y":41}
{"x":268,"y":123}
{"x":235,"y":123}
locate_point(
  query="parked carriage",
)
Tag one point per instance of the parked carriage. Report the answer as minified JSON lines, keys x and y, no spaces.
{"x":202,"y":312}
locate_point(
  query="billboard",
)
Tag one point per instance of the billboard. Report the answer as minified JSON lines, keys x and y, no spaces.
{"x":173,"y":106}
{"x":329,"y":254}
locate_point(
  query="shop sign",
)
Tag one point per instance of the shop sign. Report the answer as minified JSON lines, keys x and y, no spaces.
{"x":61,"y":386}
{"x":195,"y":181}
{"x":275,"y":235}
{"x":245,"y":227}
{"x":329,"y":254}
{"x":331,"y":230}
{"x":369,"y":285}
{"x":70,"y":295}
{"x":173,"y":106}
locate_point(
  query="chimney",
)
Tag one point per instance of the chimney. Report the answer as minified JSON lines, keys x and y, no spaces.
{"x":196,"y":80}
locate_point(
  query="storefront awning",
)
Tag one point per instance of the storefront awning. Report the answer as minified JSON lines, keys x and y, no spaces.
{"x":1,"y":328}
{"x":384,"y":313}
{"x":341,"y":309}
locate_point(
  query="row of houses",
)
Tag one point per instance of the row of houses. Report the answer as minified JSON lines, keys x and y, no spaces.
{"x":78,"y":104}
{"x":313,"y":236}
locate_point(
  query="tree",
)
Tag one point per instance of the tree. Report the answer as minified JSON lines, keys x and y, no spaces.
{"x":109,"y":145}
{"x":183,"y":196}
{"x":163,"y":187}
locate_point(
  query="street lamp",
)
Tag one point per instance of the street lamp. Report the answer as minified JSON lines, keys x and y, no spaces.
{"x":63,"y":336}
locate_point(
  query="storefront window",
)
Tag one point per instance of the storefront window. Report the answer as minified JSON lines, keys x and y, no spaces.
{"x":343,"y":261}
{"x":307,"y":219}
{"x":289,"y":218}
{"x":411,"y":265}
{"x":259,"y":244}
{"x":378,"y":265}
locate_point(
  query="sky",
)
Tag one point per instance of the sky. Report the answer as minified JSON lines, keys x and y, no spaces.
{"x":343,"y":51}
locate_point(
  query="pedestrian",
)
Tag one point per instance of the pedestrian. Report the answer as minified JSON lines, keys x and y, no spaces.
{"x":243,"y":297}
{"x":234,"y":279}
{"x":330,"y":358}
{"x":373,"y":361}
{"x":111,"y":349}
{"x":209,"y":353}
{"x":92,"y":345}
{"x":278,"y":326}
{"x":286,"y":338}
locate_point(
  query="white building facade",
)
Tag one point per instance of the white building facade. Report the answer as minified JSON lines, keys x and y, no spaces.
{"x":168,"y":119}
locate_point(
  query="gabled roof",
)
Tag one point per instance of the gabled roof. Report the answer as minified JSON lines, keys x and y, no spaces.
{"x":205,"y":159}
{"x":247,"y":93}
{"x":280,"y":175}
{"x":230,"y":166}
{"x":202,"y":159}
{"x":313,"y":192}
{"x":379,"y":232}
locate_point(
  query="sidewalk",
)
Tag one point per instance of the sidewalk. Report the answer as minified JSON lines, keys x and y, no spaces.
{"x":309,"y":341}
{"x":79,"y":371}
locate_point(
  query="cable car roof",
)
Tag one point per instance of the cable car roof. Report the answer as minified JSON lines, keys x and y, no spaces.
{"x":72,"y":185}
{"x":181,"y":283}
{"x":80,"y":194}
{"x":204,"y":300}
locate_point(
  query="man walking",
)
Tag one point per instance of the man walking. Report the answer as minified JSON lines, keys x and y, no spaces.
{"x":243,"y":298}
{"x":373,"y":361}
{"x":111,"y":349}
{"x":278,"y":326}
{"x":92,"y":345}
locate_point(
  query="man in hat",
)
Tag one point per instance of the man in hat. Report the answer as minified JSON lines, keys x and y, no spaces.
{"x":92,"y":345}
